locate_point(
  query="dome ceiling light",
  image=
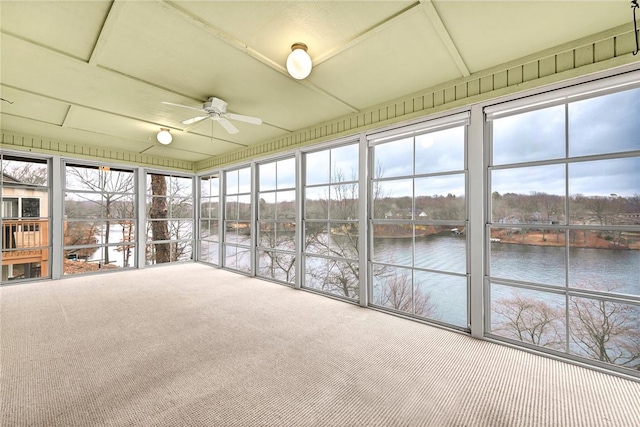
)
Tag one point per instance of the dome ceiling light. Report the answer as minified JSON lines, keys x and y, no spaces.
{"x":299,"y":62}
{"x":164,"y":136}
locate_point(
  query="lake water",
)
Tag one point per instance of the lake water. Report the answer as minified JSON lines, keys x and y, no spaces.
{"x":601,"y":269}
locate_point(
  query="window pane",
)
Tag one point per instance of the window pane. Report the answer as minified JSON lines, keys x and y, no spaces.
{"x":393,"y":288}
{"x":181,"y":207}
{"x":440,"y":151}
{"x":529,"y":316}
{"x":237,"y":258}
{"x":605,"y":124}
{"x":394,"y":200}
{"x":158,"y":253}
{"x":267,"y":206}
{"x":244,"y":180}
{"x":209,"y":208}
{"x":237,"y":232}
{"x":267,"y":173}
{"x":243,"y":260}
{"x":231,"y":182}
{"x":181,"y":251}
{"x":98,"y":259}
{"x":318,"y":168}
{"x":316,"y":203}
{"x":180,"y":229}
{"x":209,"y":230}
{"x":244,"y":207}
{"x":287,"y":173}
{"x":438,"y":248}
{"x":531,"y":195}
{"x":205,"y":187}
{"x":266,"y":235}
{"x":344,"y":201}
{"x":24,"y":171}
{"x":344,"y":163}
{"x":316,"y":238}
{"x":84,"y":205}
{"x":536,"y":135}
{"x":441,"y":297}
{"x":277,"y":265}
{"x":605,"y":331}
{"x":209,"y":252}
{"x":231,"y":208}
{"x":81,"y":178}
{"x":393,"y":244}
{"x":286,"y":209}
{"x":394,"y":158}
{"x":440,"y":197}
{"x":180,"y":186}
{"x":602,"y":261}
{"x":513,"y":258}
{"x":332,"y":276}
{"x":286,"y":236}
{"x":604,"y":192}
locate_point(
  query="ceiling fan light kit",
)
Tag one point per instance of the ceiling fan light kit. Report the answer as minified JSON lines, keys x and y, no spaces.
{"x":164,"y":136}
{"x":299,"y":62}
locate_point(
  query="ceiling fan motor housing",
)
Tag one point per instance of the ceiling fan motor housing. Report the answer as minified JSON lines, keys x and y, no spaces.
{"x":214,"y":105}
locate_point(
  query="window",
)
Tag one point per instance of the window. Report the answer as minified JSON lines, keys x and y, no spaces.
{"x":276,"y":242}
{"x":564,"y":229}
{"x":99,"y":218}
{"x":25,"y":220}
{"x":210,"y":218}
{"x":169,"y":218}
{"x":418,"y":221}
{"x":237,"y":220}
{"x":331,"y":221}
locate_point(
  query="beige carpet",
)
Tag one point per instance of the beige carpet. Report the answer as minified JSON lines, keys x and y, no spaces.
{"x":192,"y":345}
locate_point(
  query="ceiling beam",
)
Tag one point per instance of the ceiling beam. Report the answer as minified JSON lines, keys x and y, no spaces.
{"x":438,"y":25}
{"x":107,"y":30}
{"x":238,"y":44}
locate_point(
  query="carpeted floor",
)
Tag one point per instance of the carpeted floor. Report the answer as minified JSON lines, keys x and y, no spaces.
{"x":191,"y":345}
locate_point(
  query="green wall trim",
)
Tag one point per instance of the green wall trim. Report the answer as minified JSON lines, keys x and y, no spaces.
{"x":29,"y":143}
{"x":599,"y":52}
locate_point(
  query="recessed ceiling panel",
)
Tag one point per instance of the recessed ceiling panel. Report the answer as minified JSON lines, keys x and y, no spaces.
{"x":489,"y":33}
{"x":28,"y":105}
{"x":404,"y":58}
{"x":71,"y":27}
{"x":272,"y":27}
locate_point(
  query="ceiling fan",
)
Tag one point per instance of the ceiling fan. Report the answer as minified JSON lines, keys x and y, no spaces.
{"x":216,"y":110}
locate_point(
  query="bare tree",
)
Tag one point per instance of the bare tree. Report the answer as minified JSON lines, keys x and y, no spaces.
{"x":26,"y":172}
{"x":336,"y":239}
{"x":606,"y":331}
{"x":112,"y":186}
{"x":398,"y":291}
{"x":529,"y":320}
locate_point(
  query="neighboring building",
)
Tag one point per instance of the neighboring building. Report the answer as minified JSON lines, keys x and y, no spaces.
{"x":25,"y":229}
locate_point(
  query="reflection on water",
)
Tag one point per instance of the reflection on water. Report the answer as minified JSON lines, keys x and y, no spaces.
{"x":445,"y":253}
{"x":601,"y":269}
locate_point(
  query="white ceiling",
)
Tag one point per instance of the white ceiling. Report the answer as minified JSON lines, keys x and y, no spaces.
{"x":96,"y":72}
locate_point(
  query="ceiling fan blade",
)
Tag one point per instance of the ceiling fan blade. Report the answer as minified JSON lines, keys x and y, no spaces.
{"x":241,"y":118}
{"x":193,"y":120}
{"x":182,"y":106}
{"x":226,"y":124}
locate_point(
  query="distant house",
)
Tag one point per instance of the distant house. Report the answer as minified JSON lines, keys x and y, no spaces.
{"x":25,"y":236}
{"x":405,"y":214}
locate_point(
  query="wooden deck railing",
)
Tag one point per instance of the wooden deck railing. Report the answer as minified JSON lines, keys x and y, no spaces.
{"x":25,"y":241}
